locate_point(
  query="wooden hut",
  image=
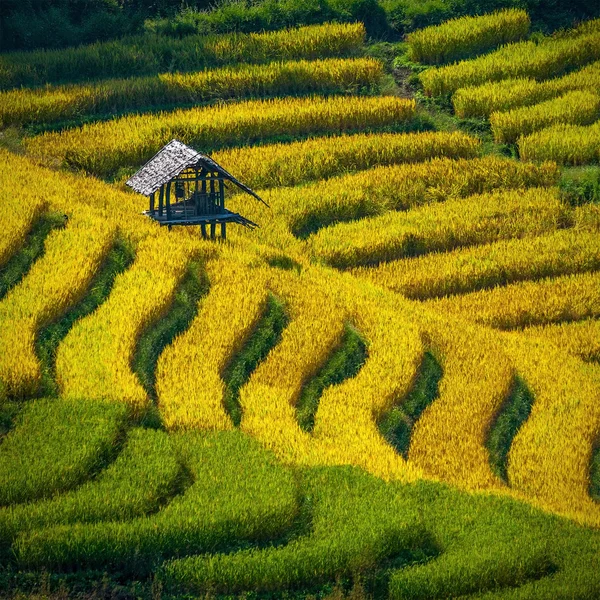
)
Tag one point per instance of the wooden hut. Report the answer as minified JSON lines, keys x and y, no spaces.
{"x":186,"y":187}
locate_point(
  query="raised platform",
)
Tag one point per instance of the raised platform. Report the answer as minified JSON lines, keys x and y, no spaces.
{"x":180,"y":216}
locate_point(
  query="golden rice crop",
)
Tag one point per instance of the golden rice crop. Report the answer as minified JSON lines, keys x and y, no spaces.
{"x":94,"y":360}
{"x":103,"y":148}
{"x":448,"y":440}
{"x":306,"y":209}
{"x":464,"y":36}
{"x":549,"y":58}
{"x":578,"y":108}
{"x":54,"y":103}
{"x":148,"y":54}
{"x":277,"y":165}
{"x":580,"y":338}
{"x":550,"y":456}
{"x":565,"y":144}
{"x":489,"y":265}
{"x":189,"y":382}
{"x":566,"y":298}
{"x":54,"y":283}
{"x":482,"y":100}
{"x":439,"y":227}
{"x":17,"y":217}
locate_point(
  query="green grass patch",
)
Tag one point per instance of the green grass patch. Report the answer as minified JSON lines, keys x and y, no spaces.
{"x":264,"y":337}
{"x":184,"y":308}
{"x":57,"y":444}
{"x":580,"y":185}
{"x":49,"y":337}
{"x":344,"y":363}
{"x":595,"y":474}
{"x":396,"y":425}
{"x":513,"y":414}
{"x":8,"y":412}
{"x":240,"y":495}
{"x":33,"y":248}
{"x":145,"y":474}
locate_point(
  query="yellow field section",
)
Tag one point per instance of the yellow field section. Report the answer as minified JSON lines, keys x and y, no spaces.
{"x":315,"y":329}
{"x":549,"y":58}
{"x":346,"y":421}
{"x":189,"y":382}
{"x":581,"y":338}
{"x":566,"y":298}
{"x":482,"y":100}
{"x":302,"y":210}
{"x":448,"y":440}
{"x":103,"y":148}
{"x":551,"y":453}
{"x":20,"y":210}
{"x":466,"y":35}
{"x":277,"y":165}
{"x":94,"y":360}
{"x":578,"y":108}
{"x":565,"y":144}
{"x":440,"y":227}
{"x":489,"y":265}
{"x":54,"y":103}
{"x":54,"y":283}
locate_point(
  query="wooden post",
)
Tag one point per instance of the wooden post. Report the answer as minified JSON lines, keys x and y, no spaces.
{"x":161,"y":198}
{"x":152,"y":202}
{"x":204,"y":203}
{"x":203,"y":227}
{"x":212,"y":203}
{"x":223,"y":232}
{"x":213,"y":231}
{"x":168,"y":194}
{"x":222,"y":198}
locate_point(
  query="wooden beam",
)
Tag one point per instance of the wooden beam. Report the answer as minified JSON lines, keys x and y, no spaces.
{"x":223,"y":231}
{"x":152,"y":202}
{"x":221,"y":195}
{"x":203,"y":228}
{"x":213,"y":231}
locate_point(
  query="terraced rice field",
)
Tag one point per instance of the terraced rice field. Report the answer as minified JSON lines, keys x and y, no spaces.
{"x":393,"y":385}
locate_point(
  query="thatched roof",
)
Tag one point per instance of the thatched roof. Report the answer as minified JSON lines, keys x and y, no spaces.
{"x":170,"y":161}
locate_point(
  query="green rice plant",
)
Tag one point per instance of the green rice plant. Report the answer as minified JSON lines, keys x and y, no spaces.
{"x":396,"y":425}
{"x":565,"y":144}
{"x":355,"y":524}
{"x":153,"y":340}
{"x":55,"y":445}
{"x":330,"y":76}
{"x":144,"y":55}
{"x":549,"y":58}
{"x":265,"y":336}
{"x":506,"y":426}
{"x":8,"y":411}
{"x":577,"y":107}
{"x":143,"y":477}
{"x":482,"y":100}
{"x":240,"y":494}
{"x":467,"y":36}
{"x":49,"y":337}
{"x":343,"y":363}
{"x":12,"y":271}
{"x":580,"y":186}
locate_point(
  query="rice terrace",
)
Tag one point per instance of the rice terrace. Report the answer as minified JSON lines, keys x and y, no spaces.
{"x":300,"y":299}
